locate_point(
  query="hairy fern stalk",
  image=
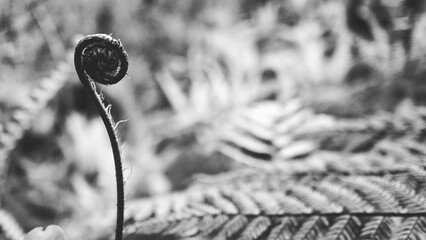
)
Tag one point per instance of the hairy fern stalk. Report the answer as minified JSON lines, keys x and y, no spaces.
{"x":102,"y":59}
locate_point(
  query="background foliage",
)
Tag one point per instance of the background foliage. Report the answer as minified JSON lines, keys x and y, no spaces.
{"x":207,"y":84}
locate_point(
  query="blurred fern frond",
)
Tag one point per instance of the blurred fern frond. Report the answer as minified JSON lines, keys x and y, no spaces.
{"x":278,"y":132}
{"x":355,"y":53}
{"x":21,"y":118}
{"x":373,"y":186}
{"x":314,"y":205}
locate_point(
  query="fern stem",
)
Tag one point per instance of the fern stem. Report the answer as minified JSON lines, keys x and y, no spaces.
{"x":101,"y":58}
{"x":335,"y":214}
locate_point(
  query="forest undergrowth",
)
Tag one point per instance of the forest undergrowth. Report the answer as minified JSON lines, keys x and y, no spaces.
{"x":279,"y":119}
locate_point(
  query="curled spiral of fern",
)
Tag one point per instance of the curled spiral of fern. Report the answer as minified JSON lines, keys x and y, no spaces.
{"x":102,"y":59}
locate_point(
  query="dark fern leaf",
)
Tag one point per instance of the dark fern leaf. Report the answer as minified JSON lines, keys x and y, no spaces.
{"x":215,"y":198}
{"x":300,"y":134}
{"x":290,"y":207}
{"x":255,"y":228}
{"x":291,"y":204}
{"x":284,"y":229}
{"x":344,"y":196}
{"x":345,"y":228}
{"x":232,"y":227}
{"x":201,"y":209}
{"x":398,"y":152}
{"x":312,"y":229}
{"x":210,"y":224}
{"x":378,"y":228}
{"x":406,"y":196}
{"x":267,"y":202}
{"x":418,"y":175}
{"x":244,"y":203}
{"x":150,"y":227}
{"x":378,"y":196}
{"x":184,"y":228}
{"x":348,"y":198}
{"x":314,"y":199}
{"x":412,"y":180}
{"x":412,"y":228}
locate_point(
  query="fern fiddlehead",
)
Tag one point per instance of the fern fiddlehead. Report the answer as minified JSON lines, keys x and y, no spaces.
{"x":102,"y":59}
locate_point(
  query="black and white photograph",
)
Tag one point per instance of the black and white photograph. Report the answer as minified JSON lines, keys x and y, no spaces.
{"x":213,"y":120}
